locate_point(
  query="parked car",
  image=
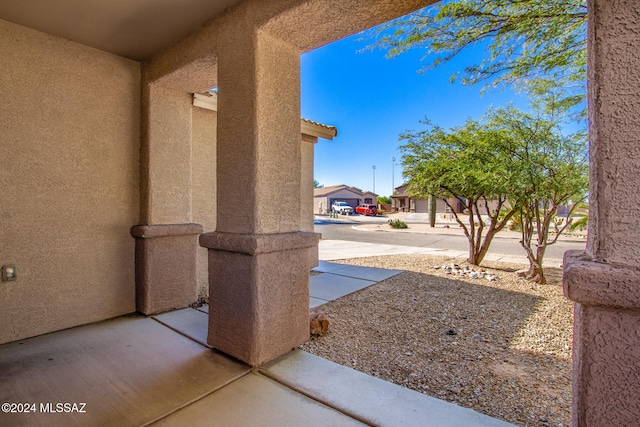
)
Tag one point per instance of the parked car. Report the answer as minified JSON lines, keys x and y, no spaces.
{"x":367,"y":209}
{"x":342,"y":208}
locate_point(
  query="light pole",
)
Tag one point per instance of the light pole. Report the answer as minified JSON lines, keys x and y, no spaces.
{"x":374,"y":179}
{"x":393,"y":174}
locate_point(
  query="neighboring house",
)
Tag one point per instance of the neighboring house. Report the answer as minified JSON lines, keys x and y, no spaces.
{"x":324,"y":197}
{"x":402,"y":202}
{"x":110,"y":175}
{"x":369,"y":198}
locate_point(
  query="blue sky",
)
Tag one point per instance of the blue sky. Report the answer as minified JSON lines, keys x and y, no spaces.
{"x":372,"y":99}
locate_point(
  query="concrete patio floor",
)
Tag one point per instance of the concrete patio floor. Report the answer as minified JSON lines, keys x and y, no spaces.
{"x":139,"y":371}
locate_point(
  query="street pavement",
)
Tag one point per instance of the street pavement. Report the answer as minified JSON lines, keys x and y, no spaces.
{"x":372,"y":236}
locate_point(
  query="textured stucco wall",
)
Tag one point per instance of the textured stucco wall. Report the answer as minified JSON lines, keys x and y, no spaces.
{"x":609,"y":383}
{"x":258,"y":144}
{"x":259,"y":293}
{"x":614,"y":133}
{"x":69,"y":120}
{"x":332,"y":20}
{"x":306,"y":192}
{"x":306,"y":186}
{"x":166,"y":156}
{"x":604,"y":281}
{"x":305,"y":24}
{"x":204,"y":184}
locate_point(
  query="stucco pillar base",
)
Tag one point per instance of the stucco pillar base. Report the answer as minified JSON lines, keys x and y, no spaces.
{"x":606,"y":341}
{"x":258,"y":293}
{"x":166,"y":276}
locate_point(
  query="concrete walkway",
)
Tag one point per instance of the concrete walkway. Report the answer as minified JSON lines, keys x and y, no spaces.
{"x":338,"y":280}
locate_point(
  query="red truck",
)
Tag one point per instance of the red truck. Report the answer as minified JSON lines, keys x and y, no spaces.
{"x":367,"y":210}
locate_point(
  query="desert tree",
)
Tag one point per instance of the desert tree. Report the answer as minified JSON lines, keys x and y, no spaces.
{"x":508,"y":163}
{"x":464,"y":166}
{"x":530,"y":44}
{"x":552,"y":165}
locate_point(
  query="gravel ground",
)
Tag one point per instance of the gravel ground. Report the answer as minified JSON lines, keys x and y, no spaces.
{"x":500,"y":347}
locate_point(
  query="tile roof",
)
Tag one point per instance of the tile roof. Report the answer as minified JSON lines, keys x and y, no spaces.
{"x":320,"y":124}
{"x":318,"y":129}
{"x":325,"y":191}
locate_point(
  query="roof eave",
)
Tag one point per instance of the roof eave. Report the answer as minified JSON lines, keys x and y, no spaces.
{"x":318,"y":130}
{"x":307,"y":127}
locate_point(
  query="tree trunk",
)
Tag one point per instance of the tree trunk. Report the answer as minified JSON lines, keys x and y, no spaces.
{"x":478,"y":243}
{"x":473,"y":256}
{"x":536,"y":272}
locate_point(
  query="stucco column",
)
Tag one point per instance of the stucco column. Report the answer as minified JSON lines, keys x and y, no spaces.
{"x":604,"y":281}
{"x":166,"y":240}
{"x":258,"y":256}
{"x":306,"y":192}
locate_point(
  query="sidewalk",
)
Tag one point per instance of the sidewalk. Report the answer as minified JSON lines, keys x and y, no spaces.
{"x":331,"y":250}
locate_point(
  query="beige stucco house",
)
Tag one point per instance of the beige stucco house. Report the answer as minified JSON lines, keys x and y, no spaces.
{"x":324,"y":197}
{"x":401,"y":201}
{"x":113,"y":181}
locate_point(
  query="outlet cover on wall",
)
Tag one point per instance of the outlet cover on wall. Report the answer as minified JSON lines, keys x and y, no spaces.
{"x":9,"y":273}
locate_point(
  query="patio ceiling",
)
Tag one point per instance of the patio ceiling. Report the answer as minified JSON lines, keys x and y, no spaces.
{"x":135,"y":29}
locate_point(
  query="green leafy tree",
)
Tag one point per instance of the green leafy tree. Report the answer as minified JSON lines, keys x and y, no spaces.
{"x":462,"y":164}
{"x":536,"y":45}
{"x":384,"y":200}
{"x":510,"y":164}
{"x":316,"y":184}
{"x":553,"y":171}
